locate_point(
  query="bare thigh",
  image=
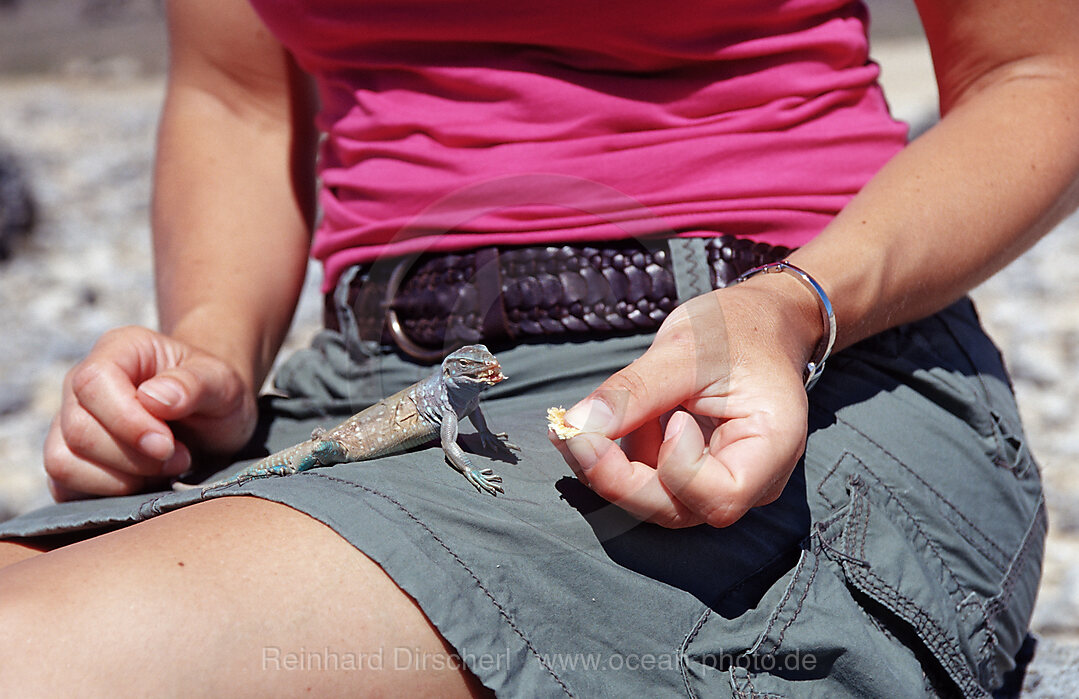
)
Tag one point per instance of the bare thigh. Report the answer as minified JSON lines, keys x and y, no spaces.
{"x":13,"y":552}
{"x":235,"y":595}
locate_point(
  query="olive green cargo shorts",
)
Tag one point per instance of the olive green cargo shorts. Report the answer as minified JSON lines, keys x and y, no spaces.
{"x":901,"y":560}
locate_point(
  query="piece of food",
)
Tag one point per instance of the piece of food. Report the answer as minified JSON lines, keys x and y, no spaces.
{"x":556,"y":420}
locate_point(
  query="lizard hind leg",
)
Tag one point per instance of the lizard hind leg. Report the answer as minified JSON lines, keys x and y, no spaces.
{"x":326,"y":453}
{"x":323,"y":453}
{"x":264,"y":471}
{"x":258,"y":470}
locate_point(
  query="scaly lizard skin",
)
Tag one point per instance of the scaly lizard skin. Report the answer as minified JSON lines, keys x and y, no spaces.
{"x":429,"y":408}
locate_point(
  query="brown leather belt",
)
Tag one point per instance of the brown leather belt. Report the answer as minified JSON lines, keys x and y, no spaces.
{"x":430,"y":304}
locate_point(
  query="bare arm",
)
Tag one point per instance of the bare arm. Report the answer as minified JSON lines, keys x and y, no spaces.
{"x":233,"y":200}
{"x":997,"y":172}
{"x":231,"y":217}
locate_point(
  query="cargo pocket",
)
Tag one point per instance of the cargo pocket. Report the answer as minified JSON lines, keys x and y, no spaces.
{"x":808,"y":637}
{"x":916,"y":589}
{"x":873,"y":608}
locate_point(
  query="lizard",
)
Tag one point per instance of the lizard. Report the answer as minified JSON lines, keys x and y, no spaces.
{"x":431,"y":407}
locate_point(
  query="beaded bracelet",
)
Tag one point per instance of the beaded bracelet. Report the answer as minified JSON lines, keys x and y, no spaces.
{"x":815,"y":367}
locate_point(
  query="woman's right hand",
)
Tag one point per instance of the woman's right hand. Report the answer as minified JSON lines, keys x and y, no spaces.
{"x":135,"y":410}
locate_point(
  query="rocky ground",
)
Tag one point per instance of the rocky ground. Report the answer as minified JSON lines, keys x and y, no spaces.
{"x":85,"y":140}
{"x":82,"y":126}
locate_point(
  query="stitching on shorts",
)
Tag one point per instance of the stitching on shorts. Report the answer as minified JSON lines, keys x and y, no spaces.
{"x":798,"y":574}
{"x":932,"y":490}
{"x":779,"y":607}
{"x":865,"y":505}
{"x":989,"y":645}
{"x":801,"y":603}
{"x":997,"y":560}
{"x":748,"y":691}
{"x":930,"y":544}
{"x":998,"y":603}
{"x":821,"y":529}
{"x":827,"y":476}
{"x":690,"y":637}
{"x":490,"y":596}
{"x":736,"y":691}
{"x":975,"y":602}
{"x":988,"y":611}
{"x":754,"y":693}
{"x":935,"y":638}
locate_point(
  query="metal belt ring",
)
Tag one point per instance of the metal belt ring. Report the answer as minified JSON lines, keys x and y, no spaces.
{"x":393,"y":323}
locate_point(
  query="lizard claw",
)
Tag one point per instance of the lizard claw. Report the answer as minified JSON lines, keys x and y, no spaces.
{"x":485,"y":481}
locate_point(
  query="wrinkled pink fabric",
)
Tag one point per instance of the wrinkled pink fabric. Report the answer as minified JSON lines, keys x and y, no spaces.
{"x":456,"y":123}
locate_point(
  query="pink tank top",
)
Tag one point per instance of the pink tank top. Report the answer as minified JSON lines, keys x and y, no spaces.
{"x":456,"y":123}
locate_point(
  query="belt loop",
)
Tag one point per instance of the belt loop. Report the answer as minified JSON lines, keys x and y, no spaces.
{"x":689,"y":262}
{"x":357,"y":347}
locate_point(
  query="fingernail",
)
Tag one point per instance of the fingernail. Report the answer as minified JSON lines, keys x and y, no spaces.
{"x":675,"y":426}
{"x":164,"y":391}
{"x":583,"y":451}
{"x":591,"y":416}
{"x":156,"y":446}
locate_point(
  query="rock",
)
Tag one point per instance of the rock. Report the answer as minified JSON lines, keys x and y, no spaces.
{"x":15,"y":397}
{"x":104,"y":10}
{"x":16,"y":204}
{"x":1054,"y":672}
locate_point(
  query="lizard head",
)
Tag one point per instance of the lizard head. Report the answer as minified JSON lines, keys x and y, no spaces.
{"x":472,"y":364}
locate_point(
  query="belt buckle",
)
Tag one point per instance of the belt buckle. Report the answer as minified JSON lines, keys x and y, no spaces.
{"x":393,"y":322}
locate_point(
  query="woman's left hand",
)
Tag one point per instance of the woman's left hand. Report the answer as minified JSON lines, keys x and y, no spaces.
{"x":712,"y":418}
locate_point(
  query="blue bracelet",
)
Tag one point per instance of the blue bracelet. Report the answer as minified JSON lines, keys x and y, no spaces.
{"x":815,"y":367}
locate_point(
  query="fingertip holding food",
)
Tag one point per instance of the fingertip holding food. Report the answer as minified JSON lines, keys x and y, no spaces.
{"x":556,"y":421}
{"x":590,"y":415}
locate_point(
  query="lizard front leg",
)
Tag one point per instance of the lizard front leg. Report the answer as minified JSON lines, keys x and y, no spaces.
{"x":489,"y":439}
{"x":484,"y":480}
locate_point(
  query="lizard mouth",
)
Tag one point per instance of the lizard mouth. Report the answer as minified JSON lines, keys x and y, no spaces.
{"x":492,"y":375}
